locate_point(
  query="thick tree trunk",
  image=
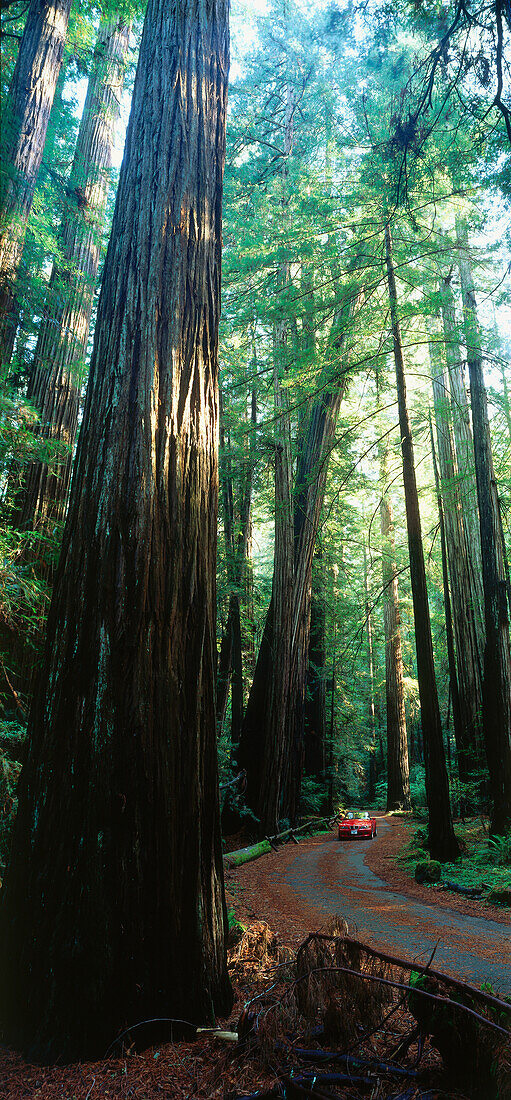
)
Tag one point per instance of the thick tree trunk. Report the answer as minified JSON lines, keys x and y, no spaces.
{"x":442,"y":840}
{"x":58,"y":367}
{"x":113,"y":905}
{"x":464,"y":451}
{"x":497,"y":655}
{"x":398,"y":769}
{"x":24,"y":129}
{"x":467,"y":703}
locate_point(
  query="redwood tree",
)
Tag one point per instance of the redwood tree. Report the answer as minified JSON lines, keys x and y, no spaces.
{"x":398,"y":770}
{"x":57,"y":370}
{"x":497,"y":653}
{"x":443,"y":844}
{"x":24,"y":127}
{"x":113,"y":905}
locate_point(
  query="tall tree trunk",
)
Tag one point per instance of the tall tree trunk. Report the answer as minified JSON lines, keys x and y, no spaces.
{"x":58,"y":367}
{"x":442,"y":840}
{"x":315,"y":705}
{"x":24,"y":129}
{"x":398,"y":769}
{"x":230,"y":666}
{"x":467,"y":703}
{"x":454,"y":692}
{"x":311,"y":472}
{"x":371,"y":794}
{"x":497,"y":655}
{"x":464,"y":451}
{"x":115,"y":886}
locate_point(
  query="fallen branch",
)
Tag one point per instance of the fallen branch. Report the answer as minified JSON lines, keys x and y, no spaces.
{"x":406,"y":964}
{"x":351,"y":1062}
{"x":400,"y":985}
{"x":457,"y":983}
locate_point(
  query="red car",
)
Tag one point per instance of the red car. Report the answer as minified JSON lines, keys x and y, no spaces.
{"x":357,"y":825}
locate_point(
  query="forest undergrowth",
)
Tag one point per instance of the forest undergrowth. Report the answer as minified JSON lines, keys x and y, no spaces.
{"x":332,"y":1019}
{"x":484,"y":869}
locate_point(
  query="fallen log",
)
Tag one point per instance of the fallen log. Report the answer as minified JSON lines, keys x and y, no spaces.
{"x":253,"y":851}
{"x":467,"y":891}
{"x":245,"y":855}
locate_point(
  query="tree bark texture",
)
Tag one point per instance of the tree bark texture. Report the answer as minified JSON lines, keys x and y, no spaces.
{"x":113,"y":907}
{"x":442,"y":841}
{"x":58,"y":367}
{"x":24,"y":129}
{"x":497,"y":655}
{"x":469,"y":665}
{"x":398,"y":769}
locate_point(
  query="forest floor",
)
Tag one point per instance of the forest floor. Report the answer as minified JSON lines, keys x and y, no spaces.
{"x":301,"y":887}
{"x":297,"y":890}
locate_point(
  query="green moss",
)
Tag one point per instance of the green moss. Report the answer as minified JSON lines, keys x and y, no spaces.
{"x":428,"y":871}
{"x":500,"y":895}
{"x":244,"y":855}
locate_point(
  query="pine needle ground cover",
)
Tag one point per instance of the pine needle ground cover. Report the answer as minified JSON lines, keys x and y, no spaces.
{"x":333,"y":1018}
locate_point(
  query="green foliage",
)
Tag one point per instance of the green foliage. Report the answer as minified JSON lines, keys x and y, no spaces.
{"x":499,"y":850}
{"x":12,"y":739}
{"x":313,"y":795}
{"x":418,"y":786}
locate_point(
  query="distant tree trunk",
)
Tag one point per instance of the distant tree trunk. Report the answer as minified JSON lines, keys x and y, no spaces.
{"x":24,"y":127}
{"x":462,"y":751}
{"x":442,"y":840}
{"x":230,"y":666}
{"x":113,"y":905}
{"x":371,"y":794}
{"x":497,"y":656}
{"x":315,"y":704}
{"x":59,"y":359}
{"x":311,"y":472}
{"x":398,"y":769}
{"x":275,"y":749}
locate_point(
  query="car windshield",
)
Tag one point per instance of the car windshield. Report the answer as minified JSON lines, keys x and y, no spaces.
{"x":364,"y":816}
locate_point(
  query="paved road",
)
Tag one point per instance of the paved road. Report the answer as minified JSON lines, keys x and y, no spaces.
{"x":474,"y":948}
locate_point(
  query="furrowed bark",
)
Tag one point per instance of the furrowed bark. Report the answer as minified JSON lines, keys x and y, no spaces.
{"x":464,"y":453}
{"x":113,"y":907}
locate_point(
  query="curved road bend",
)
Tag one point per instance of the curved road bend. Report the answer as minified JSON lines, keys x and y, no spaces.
{"x":475,"y":949}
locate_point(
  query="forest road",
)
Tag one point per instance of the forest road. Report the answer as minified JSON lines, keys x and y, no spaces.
{"x":303,"y":887}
